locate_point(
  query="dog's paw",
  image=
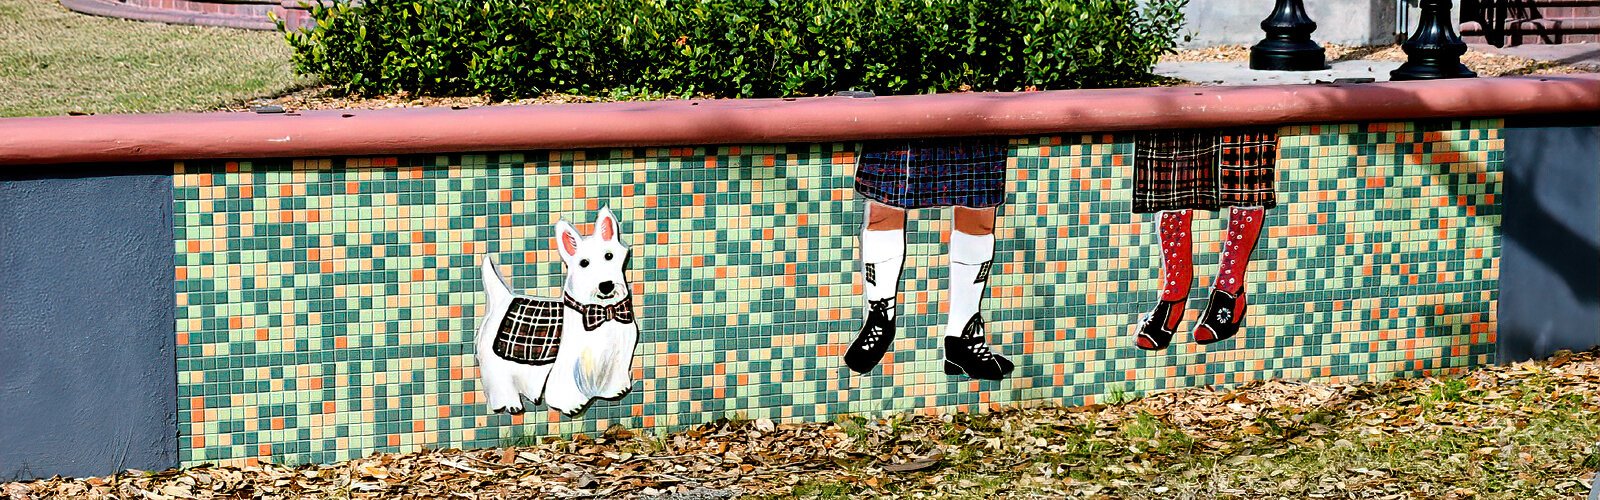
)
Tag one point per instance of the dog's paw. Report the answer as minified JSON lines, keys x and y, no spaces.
{"x":619,"y":395}
{"x":510,"y":410}
{"x":573,"y":412}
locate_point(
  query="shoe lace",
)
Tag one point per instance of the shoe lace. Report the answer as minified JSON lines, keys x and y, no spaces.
{"x":974,"y":333}
{"x":879,"y":306}
{"x":873,"y":334}
{"x":981,"y":350}
{"x":875,"y":330}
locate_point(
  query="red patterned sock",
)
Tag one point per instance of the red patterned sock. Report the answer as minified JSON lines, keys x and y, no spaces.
{"x":1177,"y":268}
{"x":1244,"y":228}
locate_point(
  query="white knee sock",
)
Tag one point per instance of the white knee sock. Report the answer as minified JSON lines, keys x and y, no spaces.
{"x":970,"y":258}
{"x":882,"y":255}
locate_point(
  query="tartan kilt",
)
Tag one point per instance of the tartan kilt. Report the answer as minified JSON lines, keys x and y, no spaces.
{"x":1204,"y":169}
{"x":926,"y":173}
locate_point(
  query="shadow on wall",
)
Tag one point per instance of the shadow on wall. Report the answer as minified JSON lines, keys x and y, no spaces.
{"x":1465,"y":186}
{"x":1551,"y":260}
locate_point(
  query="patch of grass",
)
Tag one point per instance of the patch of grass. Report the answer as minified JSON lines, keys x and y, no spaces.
{"x":853,"y":426}
{"x":54,"y":61}
{"x":655,"y":443}
{"x":1445,"y":438}
{"x":826,"y":490}
{"x":1448,"y":391}
{"x":1143,"y":426}
{"x":1519,"y":460}
{"x":1119,"y":396}
{"x":519,"y":440}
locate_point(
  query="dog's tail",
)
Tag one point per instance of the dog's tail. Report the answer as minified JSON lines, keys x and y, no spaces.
{"x":493,"y":285}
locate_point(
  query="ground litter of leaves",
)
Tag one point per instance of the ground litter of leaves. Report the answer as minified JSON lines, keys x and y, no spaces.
{"x":1522,"y":431}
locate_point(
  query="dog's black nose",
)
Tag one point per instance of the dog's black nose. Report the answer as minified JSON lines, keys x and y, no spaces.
{"x":607,"y":286}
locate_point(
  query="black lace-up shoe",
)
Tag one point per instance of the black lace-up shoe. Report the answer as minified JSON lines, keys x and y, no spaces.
{"x":874,"y":339}
{"x":1157,"y":327}
{"x":969,"y":354}
{"x":1222,"y":318}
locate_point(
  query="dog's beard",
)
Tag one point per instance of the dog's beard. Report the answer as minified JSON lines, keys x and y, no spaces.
{"x":595,"y":297}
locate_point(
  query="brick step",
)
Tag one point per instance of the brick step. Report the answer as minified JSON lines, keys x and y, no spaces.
{"x":1534,"y":31}
{"x":1537,"y":4}
{"x":1539,"y":26}
{"x":1531,"y":9}
{"x":1590,"y":9}
{"x":1545,"y":9}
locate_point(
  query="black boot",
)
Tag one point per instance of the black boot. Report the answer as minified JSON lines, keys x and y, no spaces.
{"x":874,"y":339}
{"x":1154,"y":332}
{"x":1222,"y":318}
{"x":968,"y":353}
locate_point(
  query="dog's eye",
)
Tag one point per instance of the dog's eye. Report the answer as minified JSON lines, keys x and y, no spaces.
{"x":583,"y":263}
{"x":608,"y":255}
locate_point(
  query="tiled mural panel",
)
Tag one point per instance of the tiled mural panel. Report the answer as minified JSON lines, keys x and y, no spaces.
{"x":327,"y":307}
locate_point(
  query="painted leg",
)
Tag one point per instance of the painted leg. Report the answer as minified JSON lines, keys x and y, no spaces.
{"x":883,"y":254}
{"x":1157,"y":327}
{"x":621,"y":381}
{"x":500,"y":386}
{"x":1224,"y":314}
{"x":966,"y":349}
{"x":561,"y":388}
{"x":529,"y":381}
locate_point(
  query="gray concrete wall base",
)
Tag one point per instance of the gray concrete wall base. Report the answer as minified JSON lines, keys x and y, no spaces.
{"x":87,"y":375}
{"x":1550,"y":253}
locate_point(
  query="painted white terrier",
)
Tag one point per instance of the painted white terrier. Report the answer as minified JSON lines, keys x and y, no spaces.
{"x":566,"y":351}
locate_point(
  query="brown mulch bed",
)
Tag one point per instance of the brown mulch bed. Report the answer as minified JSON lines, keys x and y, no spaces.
{"x":1527,"y":430}
{"x":327,"y":97}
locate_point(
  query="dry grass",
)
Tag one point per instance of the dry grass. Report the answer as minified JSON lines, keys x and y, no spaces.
{"x":54,"y":61}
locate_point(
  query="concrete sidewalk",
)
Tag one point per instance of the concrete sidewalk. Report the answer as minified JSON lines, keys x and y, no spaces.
{"x":1377,"y":62}
{"x":1572,"y":54}
{"x":1239,"y":72}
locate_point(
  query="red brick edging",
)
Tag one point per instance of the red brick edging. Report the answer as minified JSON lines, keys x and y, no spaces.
{"x":246,"y":14}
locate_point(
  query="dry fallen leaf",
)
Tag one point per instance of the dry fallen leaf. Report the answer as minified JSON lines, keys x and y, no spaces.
{"x":915,"y":464}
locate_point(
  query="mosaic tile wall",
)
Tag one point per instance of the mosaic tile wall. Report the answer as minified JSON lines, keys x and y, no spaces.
{"x":326,"y":307}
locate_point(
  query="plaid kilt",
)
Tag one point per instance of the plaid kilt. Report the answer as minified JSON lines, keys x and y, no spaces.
{"x":1204,"y":169}
{"x":925,"y":173}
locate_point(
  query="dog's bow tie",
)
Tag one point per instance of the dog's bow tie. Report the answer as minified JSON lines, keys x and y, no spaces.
{"x":595,"y":315}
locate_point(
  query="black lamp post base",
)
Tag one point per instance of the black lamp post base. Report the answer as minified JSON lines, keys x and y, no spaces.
{"x":1279,"y":55}
{"x":1431,"y":70}
{"x":1434,"y":51}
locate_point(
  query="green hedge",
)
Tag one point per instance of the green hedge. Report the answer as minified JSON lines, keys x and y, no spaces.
{"x":733,"y":48}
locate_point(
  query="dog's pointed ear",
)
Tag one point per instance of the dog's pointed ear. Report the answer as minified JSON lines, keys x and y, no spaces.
{"x":566,"y":239}
{"x":606,"y":226}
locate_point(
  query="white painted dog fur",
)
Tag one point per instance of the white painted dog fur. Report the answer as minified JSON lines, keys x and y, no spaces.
{"x":588,"y":364}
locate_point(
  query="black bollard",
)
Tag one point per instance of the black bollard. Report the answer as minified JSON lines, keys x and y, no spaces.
{"x":1288,"y":45}
{"x":1434,"y":50}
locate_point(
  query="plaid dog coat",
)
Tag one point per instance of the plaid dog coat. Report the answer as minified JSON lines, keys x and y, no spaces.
{"x":530,"y":333}
{"x":925,"y":173}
